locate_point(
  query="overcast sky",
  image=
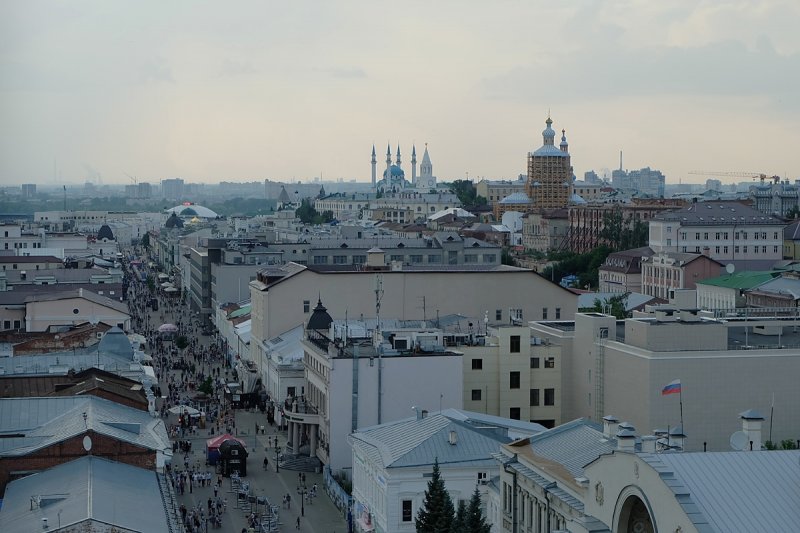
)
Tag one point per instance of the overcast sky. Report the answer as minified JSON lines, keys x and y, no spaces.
{"x":244,"y":91}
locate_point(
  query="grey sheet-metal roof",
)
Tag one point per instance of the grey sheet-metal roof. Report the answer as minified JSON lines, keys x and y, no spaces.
{"x":89,"y":488}
{"x":42,"y":422}
{"x":741,"y":491}
{"x":574,"y":444}
{"x":417,"y":442}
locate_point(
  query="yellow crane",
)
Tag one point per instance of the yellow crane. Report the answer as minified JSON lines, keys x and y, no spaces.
{"x":742,"y":174}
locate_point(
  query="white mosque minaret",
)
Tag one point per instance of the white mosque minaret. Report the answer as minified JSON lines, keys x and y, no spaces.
{"x":394,"y":177}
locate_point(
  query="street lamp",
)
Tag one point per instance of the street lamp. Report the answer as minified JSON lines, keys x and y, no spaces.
{"x":277,"y":459}
{"x":303,"y":493}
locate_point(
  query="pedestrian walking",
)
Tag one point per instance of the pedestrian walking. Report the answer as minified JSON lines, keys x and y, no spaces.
{"x":297,"y":526}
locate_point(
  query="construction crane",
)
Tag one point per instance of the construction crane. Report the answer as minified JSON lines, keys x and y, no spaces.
{"x":742,"y":174}
{"x":132,"y":178}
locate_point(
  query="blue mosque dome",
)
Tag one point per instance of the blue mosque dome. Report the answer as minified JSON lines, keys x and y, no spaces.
{"x":397,"y":172}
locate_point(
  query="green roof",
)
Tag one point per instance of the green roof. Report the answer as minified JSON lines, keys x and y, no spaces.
{"x":741,"y":280}
{"x":244,"y":310}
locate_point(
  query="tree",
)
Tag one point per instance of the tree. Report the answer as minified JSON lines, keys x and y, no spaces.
{"x":146,"y":241}
{"x":506,"y":258}
{"x":436,"y":513}
{"x":794,"y":212}
{"x":623,"y":234}
{"x":612,"y":306}
{"x":460,"y":520}
{"x":467,"y":193}
{"x":475,"y":521}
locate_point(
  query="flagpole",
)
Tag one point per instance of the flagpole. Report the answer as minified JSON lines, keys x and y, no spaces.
{"x":771,"y":416}
{"x":680,"y":400}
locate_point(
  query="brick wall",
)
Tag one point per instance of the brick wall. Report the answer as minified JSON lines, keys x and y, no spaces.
{"x":72,"y":448}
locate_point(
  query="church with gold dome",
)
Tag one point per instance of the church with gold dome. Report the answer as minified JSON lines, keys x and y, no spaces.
{"x":394,"y":177}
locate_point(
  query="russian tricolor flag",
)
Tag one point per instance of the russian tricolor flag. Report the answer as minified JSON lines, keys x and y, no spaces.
{"x":672,"y":388}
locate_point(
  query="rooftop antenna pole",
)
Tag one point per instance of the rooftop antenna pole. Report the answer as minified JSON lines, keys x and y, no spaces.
{"x":620,"y":160}
{"x":65,"y":197}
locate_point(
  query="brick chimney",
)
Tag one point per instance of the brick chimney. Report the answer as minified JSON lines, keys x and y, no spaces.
{"x":610,"y":424}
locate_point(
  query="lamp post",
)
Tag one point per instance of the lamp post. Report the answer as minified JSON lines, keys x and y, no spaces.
{"x":277,"y":459}
{"x":303,"y":493}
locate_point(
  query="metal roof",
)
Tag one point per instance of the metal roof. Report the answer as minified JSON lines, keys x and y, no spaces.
{"x":740,"y":280}
{"x":417,"y":442}
{"x":47,"y":421}
{"x":90,"y":488}
{"x":573,"y":445}
{"x":739,"y":491}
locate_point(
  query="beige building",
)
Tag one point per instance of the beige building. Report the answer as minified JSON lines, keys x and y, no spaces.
{"x":496,"y":190}
{"x":514,"y":375}
{"x":621,"y":272}
{"x":725,"y":366}
{"x":70,"y":308}
{"x":545,"y":229}
{"x":665,"y":272}
{"x":284,"y":298}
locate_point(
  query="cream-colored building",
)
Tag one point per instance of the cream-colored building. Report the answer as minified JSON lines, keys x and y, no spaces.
{"x":70,"y":308}
{"x":283,"y":299}
{"x":512,"y":374}
{"x":725,"y":366}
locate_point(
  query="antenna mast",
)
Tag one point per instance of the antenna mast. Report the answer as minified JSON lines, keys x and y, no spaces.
{"x":378,"y":298}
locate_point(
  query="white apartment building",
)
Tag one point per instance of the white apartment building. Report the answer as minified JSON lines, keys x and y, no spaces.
{"x":361,"y":373}
{"x":512,"y":374}
{"x":391,"y":462}
{"x":732,"y":232}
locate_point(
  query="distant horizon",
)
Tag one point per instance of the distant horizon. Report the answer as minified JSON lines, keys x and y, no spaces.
{"x":90,"y":88}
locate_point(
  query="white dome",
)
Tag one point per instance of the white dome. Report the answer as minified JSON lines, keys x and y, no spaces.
{"x":192,"y":210}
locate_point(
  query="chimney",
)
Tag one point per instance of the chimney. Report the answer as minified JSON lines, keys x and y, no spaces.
{"x":649,"y":443}
{"x":610,"y":424}
{"x":452,"y":438}
{"x":418,"y":411}
{"x":751,"y":426}
{"x":677,"y":438}
{"x":707,"y":251}
{"x":626,"y":439}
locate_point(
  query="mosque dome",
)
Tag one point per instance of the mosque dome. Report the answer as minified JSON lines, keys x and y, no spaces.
{"x":396,"y":172}
{"x":105,"y":233}
{"x":320,"y":319}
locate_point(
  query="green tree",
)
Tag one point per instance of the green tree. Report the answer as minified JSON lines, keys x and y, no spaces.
{"x":460,"y":520}
{"x":146,"y":241}
{"x":436,"y":513}
{"x":506,"y":258}
{"x":475,"y":521}
{"x":181,"y":342}
{"x":612,"y":306}
{"x":206,"y":386}
{"x":794,"y":212}
{"x":620,"y":233}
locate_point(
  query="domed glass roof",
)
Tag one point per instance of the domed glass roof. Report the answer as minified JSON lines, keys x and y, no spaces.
{"x":192,"y":210}
{"x":105,"y":233}
{"x":320,"y":319}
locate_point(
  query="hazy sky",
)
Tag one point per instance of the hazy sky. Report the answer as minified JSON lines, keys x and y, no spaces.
{"x":244,"y":90}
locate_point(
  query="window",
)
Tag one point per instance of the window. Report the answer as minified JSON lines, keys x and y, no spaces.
{"x":476,"y":395}
{"x":744,"y":249}
{"x":434,"y":258}
{"x":534,"y":397}
{"x":396,"y":258}
{"x":416,"y":259}
{"x":697,"y":236}
{"x":498,"y":314}
{"x":716,"y":236}
{"x":544,"y":313}
{"x":477,"y":364}
{"x":515,"y":344}
{"x":716,"y":249}
{"x":755,"y":235}
{"x":470,"y":258}
{"x":489,"y":258}
{"x":669,"y":242}
{"x":306,"y":306}
{"x":736,"y":249}
{"x":407,"y":514}
{"x":775,"y":249}
{"x":534,"y":362}
{"x":550,"y":362}
{"x":513,"y":380}
{"x":359,"y":259}
{"x":558,"y":313}
{"x":725,"y":249}
{"x":513,"y":413}
{"x":775,"y":235}
{"x":549,"y":396}
{"x":320,"y":259}
{"x":339,"y":259}
{"x":763,"y":249}
{"x":705,"y":236}
{"x":755,"y":249}
{"x":669,"y":229}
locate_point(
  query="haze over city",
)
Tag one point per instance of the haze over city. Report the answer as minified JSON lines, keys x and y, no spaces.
{"x":211,"y":91}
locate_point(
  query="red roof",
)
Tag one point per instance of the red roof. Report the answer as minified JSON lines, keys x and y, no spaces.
{"x":215,"y":442}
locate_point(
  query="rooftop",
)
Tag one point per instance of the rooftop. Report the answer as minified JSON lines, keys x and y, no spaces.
{"x":718,"y":213}
{"x":740,"y":280}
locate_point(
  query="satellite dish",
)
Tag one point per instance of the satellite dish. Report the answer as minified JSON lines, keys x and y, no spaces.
{"x":729,"y":268}
{"x":739,"y":441}
{"x":87,"y":443}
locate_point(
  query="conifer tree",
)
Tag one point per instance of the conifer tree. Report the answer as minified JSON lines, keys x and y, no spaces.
{"x":475,"y":521}
{"x":460,"y":520}
{"x":436,"y":513}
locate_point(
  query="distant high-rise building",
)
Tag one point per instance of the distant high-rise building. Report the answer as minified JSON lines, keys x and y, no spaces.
{"x":549,"y":172}
{"x":172,"y":189}
{"x":592,"y":177}
{"x":28,"y":190}
{"x":643,"y":181}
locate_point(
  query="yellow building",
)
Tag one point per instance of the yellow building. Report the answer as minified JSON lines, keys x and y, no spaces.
{"x":550,"y":172}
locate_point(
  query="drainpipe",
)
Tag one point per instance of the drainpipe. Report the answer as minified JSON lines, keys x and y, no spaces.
{"x":547,"y":488}
{"x":514,"y":527}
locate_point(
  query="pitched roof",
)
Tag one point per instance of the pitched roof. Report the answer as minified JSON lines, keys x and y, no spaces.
{"x":737,"y":491}
{"x":46,"y":421}
{"x":30,"y":259}
{"x":718,"y":213}
{"x":80,"y":293}
{"x":792,"y":231}
{"x":740,"y":280}
{"x":90,"y":488}
{"x":417,"y":442}
{"x":572,"y":445}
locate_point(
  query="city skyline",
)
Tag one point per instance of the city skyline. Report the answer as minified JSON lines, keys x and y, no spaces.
{"x":286,"y":93}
